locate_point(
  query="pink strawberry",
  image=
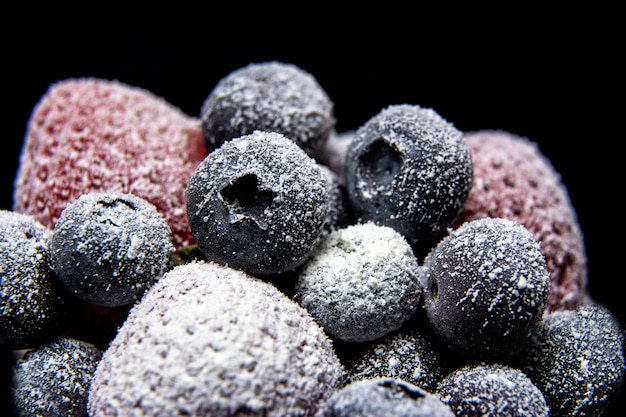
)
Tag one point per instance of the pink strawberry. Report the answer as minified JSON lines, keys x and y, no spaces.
{"x":87,"y":135}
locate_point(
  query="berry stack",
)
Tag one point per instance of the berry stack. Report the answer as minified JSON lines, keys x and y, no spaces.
{"x":252,"y":260}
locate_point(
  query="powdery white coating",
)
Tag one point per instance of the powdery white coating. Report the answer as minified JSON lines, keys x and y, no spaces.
{"x":271,"y":96}
{"x":491,"y":390}
{"x":409,"y":169}
{"x":576,"y":358}
{"x":485,"y":287}
{"x":210,"y":340}
{"x":514,"y":180}
{"x":54,"y":379}
{"x":407,"y":354}
{"x":34,"y":306}
{"x":257,"y":203}
{"x":94,"y":135}
{"x":384,"y":397}
{"x":109,"y":248}
{"x":360,"y":282}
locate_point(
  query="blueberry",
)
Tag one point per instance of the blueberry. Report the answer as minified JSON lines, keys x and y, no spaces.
{"x":409,"y":355}
{"x":108,"y":248}
{"x":54,"y":379}
{"x":576,"y":357}
{"x":409,"y":169}
{"x":34,"y":306}
{"x":257,"y":203}
{"x":270,"y":96}
{"x":485,"y":287}
{"x":384,"y":397}
{"x":360,"y":282}
{"x":491,"y":390}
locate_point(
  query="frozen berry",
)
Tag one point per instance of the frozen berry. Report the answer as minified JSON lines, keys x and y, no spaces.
{"x":210,"y":340}
{"x":54,"y":379}
{"x":108,"y":248}
{"x":485,"y":287}
{"x":409,"y":355}
{"x":384,"y":397}
{"x":270,"y":96}
{"x":360,"y":282}
{"x":409,"y":169}
{"x":34,"y":306}
{"x":93,"y":135}
{"x":491,"y":390}
{"x":514,"y":180}
{"x":576,"y":357}
{"x":257,"y":203}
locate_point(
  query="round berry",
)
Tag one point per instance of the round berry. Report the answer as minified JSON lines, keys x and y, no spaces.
{"x":54,"y":379}
{"x":491,"y":390}
{"x":257,"y":203}
{"x":384,"y":397}
{"x":108,"y":248}
{"x":409,"y":169}
{"x":210,"y":340}
{"x":576,"y":357}
{"x":34,"y":306}
{"x":409,"y":355}
{"x":485,"y":287}
{"x":360,"y":282}
{"x":270,"y":96}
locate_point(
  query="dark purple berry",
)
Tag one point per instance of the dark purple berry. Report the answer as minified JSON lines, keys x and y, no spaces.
{"x":491,"y":390}
{"x":409,"y":169}
{"x":576,"y":357}
{"x":485,"y":287}
{"x":409,"y":355}
{"x":384,"y":397}
{"x":257,"y":203}
{"x":54,"y":379}
{"x":109,"y":248}
{"x":34,"y":306}
{"x":269,"y":96}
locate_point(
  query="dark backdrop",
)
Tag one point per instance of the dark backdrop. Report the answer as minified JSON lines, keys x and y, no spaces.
{"x":557,"y":77}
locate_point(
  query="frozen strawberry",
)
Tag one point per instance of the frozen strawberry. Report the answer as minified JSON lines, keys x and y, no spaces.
{"x":94,"y":135}
{"x":514,"y":180}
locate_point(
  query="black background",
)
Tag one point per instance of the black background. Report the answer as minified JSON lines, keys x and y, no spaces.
{"x":555,"y":76}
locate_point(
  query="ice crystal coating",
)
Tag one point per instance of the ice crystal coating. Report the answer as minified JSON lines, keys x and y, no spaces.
{"x":210,"y":340}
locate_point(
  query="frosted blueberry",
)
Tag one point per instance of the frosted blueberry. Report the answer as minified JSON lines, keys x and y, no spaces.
{"x":384,"y":397}
{"x":34,"y":306}
{"x":270,"y":96}
{"x":409,"y":169}
{"x":576,"y":357}
{"x":491,"y":390}
{"x":360,"y":282}
{"x":54,"y":379}
{"x":257,"y":203}
{"x":485,"y":287}
{"x":108,"y":248}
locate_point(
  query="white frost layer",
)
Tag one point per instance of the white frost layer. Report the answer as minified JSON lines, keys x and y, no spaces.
{"x":210,"y":340}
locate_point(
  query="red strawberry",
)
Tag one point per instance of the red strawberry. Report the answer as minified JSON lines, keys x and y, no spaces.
{"x":91,"y":134}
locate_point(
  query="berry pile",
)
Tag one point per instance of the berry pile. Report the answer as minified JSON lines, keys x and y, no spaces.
{"x":254,"y":261}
